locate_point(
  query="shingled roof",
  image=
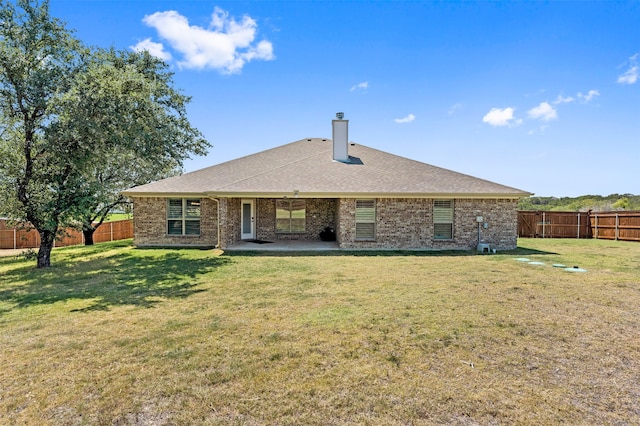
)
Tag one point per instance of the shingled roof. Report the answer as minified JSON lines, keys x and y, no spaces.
{"x":306,"y":168}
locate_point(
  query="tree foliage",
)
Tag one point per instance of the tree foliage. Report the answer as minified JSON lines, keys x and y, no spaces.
{"x":78,"y":125}
{"x":596,"y":203}
{"x":125,"y":105}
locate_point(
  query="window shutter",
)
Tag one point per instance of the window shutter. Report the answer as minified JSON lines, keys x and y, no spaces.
{"x":193,"y":208}
{"x":192,"y":227}
{"x":365,"y":231}
{"x":175,"y":209}
{"x":183,"y":216}
{"x":365,"y":219}
{"x":443,"y":231}
{"x":442,"y":215}
{"x":365,"y":211}
{"x":443,"y":219}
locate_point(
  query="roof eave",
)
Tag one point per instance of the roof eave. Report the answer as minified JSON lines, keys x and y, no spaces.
{"x":292,"y":194}
{"x":300,"y":194}
{"x":156,"y":194}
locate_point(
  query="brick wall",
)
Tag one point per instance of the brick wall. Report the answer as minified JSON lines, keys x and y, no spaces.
{"x":150,"y":224}
{"x":407,"y":223}
{"x":501,"y":217}
{"x":230,"y":229}
{"x":404,"y":223}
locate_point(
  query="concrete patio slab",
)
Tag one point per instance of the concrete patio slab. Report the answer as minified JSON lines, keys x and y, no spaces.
{"x":284,"y":245}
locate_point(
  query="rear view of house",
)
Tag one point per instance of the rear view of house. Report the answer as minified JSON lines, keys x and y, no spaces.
{"x":372,"y":199}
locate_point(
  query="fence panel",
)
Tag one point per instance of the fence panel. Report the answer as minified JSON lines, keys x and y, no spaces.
{"x":21,"y":237}
{"x":554,"y":224}
{"x":17,"y":237}
{"x":622,"y":225}
{"x":114,"y":231}
{"x":6,"y":236}
{"x":71,"y":237}
{"x":616,"y":225}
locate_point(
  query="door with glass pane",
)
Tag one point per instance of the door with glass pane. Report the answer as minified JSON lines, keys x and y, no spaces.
{"x":247,"y":220}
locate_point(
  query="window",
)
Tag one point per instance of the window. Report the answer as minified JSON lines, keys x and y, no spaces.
{"x":443,"y":219}
{"x":183,"y":216}
{"x":290,"y":215}
{"x":365,"y":219}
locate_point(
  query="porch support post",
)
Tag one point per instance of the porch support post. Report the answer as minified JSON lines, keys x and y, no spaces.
{"x":223,"y":212}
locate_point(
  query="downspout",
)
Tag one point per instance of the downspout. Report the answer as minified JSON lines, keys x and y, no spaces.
{"x":217,"y":200}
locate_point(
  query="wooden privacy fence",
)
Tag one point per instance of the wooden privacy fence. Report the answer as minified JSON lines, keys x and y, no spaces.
{"x":20,"y":238}
{"x":610,"y":225}
{"x":554,"y":224}
{"x":616,"y":225}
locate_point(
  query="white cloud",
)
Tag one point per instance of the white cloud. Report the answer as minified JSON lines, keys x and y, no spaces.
{"x":563,"y":100}
{"x":408,"y":119}
{"x":454,"y":108}
{"x":590,"y":95}
{"x":155,"y":49}
{"x":544,"y":112}
{"x":631,"y":75}
{"x":362,"y":87}
{"x":227,"y":45}
{"x":501,"y":117}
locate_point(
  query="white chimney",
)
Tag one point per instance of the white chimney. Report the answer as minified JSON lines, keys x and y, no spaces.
{"x":340,"y":138}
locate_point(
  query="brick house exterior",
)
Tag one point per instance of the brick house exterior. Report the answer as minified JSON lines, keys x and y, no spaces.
{"x":400,"y":224}
{"x":372,"y":199}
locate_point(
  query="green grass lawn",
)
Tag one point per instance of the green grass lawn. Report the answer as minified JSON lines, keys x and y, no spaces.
{"x":114,"y":217}
{"x":117,"y":335}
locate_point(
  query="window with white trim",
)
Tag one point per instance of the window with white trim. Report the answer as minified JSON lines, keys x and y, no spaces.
{"x":290,"y":215}
{"x":365,"y":219}
{"x":443,"y":219}
{"x":183,"y":216}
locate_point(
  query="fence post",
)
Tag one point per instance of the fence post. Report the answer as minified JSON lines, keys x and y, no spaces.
{"x":15,"y":238}
{"x":111,"y":230}
{"x":617,"y":227}
{"x":578,"y":237}
{"x":543,"y":223}
{"x":597,"y":234}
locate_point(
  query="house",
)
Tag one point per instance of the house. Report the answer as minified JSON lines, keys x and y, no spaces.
{"x":372,"y":199}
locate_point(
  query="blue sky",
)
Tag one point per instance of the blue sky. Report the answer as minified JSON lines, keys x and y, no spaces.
{"x":541,"y":96}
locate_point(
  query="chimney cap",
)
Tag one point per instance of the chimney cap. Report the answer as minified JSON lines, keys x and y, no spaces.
{"x":339,"y":115}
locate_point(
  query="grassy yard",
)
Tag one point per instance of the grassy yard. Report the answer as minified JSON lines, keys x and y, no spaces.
{"x":116,"y":335}
{"x":113,"y":217}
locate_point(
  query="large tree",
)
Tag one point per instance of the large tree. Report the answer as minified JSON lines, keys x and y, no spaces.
{"x":125,"y":105}
{"x":72,"y":117}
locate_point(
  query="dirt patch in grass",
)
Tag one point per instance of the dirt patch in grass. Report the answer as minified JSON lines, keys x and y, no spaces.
{"x":115,"y":335}
{"x":11,"y":252}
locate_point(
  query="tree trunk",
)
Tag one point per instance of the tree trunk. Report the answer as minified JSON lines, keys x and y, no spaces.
{"x":88,"y":236}
{"x":46,"y":245}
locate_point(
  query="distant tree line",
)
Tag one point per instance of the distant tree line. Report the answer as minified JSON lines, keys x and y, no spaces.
{"x":596,"y":203}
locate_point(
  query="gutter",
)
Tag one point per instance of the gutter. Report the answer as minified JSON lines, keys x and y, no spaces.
{"x":217,"y":200}
{"x":431,"y":195}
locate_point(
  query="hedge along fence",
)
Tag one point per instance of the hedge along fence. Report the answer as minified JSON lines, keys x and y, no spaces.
{"x":610,"y":225}
{"x":27,"y":237}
